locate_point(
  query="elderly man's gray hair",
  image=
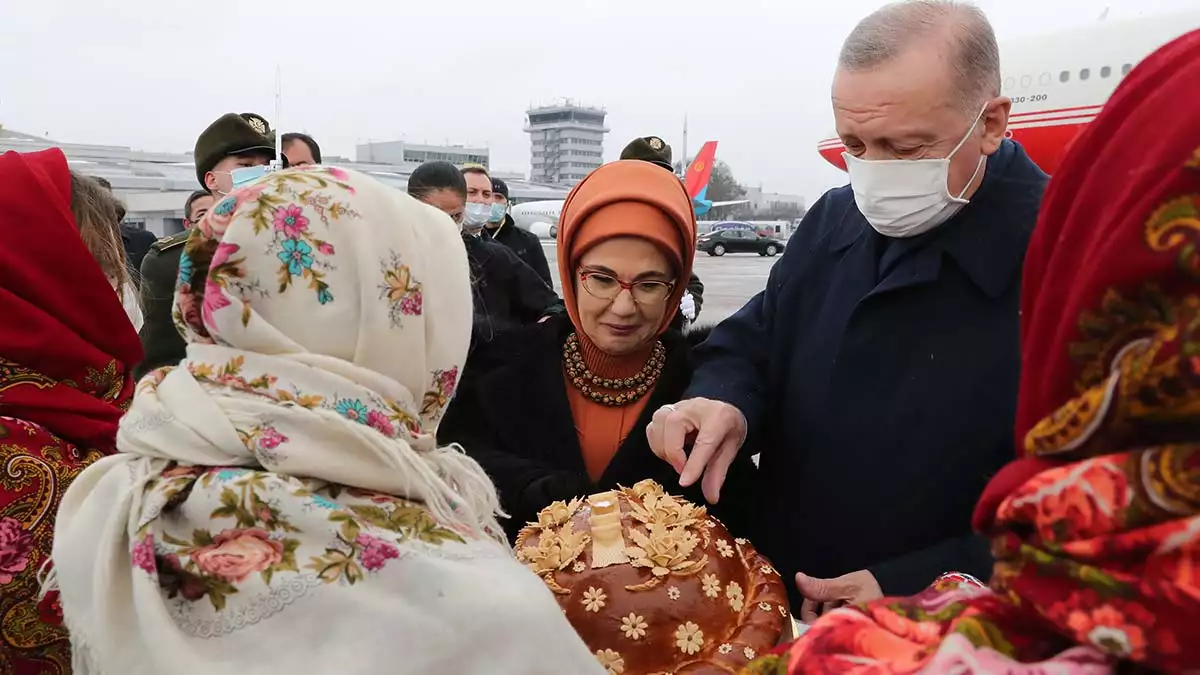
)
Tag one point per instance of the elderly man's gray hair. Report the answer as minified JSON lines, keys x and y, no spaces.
{"x":892,"y":29}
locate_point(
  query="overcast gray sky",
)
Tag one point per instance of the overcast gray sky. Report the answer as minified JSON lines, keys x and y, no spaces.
{"x":753,"y":74}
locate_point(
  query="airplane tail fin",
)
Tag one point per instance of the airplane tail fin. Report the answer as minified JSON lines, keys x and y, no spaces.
{"x":700,"y":171}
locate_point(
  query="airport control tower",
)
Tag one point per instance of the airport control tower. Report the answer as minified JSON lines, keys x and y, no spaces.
{"x":567,"y":142}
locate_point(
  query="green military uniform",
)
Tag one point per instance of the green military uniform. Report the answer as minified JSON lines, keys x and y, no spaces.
{"x":231,"y":134}
{"x":160,"y":340}
{"x":656,"y":151}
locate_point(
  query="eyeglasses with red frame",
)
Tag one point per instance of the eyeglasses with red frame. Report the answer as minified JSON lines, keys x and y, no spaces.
{"x":607,"y":287}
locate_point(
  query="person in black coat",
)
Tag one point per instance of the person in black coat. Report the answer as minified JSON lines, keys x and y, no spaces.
{"x":557,"y":410}
{"x":137,"y":244}
{"x":877,"y":371}
{"x":502,"y":229}
{"x":506,"y":292}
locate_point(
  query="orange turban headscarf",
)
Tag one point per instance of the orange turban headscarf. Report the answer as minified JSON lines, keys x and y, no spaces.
{"x":628,"y":198}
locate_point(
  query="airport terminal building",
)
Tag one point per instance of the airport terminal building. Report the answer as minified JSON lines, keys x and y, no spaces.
{"x":155,"y":185}
{"x":412,"y":155}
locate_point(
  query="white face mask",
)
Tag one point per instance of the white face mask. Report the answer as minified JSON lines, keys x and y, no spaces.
{"x":476,"y":216}
{"x":906,"y":197}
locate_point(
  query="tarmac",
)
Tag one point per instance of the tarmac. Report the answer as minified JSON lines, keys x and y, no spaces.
{"x":729,"y":281}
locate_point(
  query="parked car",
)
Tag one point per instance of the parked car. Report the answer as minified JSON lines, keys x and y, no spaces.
{"x":720,"y":242}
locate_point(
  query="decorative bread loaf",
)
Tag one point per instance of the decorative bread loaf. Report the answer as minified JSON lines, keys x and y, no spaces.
{"x":653,"y":584}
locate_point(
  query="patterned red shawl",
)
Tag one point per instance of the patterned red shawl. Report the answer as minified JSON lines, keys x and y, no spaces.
{"x":66,"y":350}
{"x":1096,"y":527}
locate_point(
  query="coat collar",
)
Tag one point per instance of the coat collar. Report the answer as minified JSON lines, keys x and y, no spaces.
{"x":986,"y":240}
{"x":529,"y":384}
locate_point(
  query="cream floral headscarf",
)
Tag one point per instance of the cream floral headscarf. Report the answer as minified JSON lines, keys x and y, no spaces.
{"x":279,"y":503}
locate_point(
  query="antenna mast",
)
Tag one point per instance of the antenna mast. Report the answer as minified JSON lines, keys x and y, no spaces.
{"x":684,"y":161}
{"x":278,"y":163}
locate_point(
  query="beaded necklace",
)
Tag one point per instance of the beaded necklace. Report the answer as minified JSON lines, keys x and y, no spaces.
{"x":620,"y":391}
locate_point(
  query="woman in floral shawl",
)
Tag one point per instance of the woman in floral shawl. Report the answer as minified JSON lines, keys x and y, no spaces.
{"x":66,"y":351}
{"x":1096,"y":527}
{"x":279,"y":503}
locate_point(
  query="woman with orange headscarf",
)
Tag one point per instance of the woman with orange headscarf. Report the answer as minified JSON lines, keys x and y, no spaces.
{"x":66,"y":353}
{"x":558,"y":408}
{"x":1096,"y":526}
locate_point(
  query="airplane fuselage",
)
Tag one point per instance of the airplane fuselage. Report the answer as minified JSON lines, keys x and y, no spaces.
{"x":1058,"y":83}
{"x":540,"y":218}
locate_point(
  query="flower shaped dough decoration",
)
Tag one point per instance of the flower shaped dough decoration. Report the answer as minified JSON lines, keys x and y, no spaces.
{"x":654,"y":583}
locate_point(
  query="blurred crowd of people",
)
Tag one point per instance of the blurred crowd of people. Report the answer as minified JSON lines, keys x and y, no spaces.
{"x":303,"y":434}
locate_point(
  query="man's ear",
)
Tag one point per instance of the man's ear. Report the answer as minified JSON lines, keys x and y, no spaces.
{"x":995,"y":123}
{"x":210,"y":182}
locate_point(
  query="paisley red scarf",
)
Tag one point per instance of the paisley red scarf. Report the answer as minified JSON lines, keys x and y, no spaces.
{"x":66,"y":351}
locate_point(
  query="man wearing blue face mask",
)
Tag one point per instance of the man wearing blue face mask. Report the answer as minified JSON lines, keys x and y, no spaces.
{"x":502,"y":229}
{"x":235,"y":144}
{"x":877,"y":372}
{"x":232,"y":142}
{"x":508,"y":292}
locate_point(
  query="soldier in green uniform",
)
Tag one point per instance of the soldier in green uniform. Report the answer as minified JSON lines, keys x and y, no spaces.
{"x":232,"y":142}
{"x":656,"y":151}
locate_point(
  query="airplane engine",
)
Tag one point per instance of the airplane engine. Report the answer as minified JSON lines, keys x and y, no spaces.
{"x":544,"y":230}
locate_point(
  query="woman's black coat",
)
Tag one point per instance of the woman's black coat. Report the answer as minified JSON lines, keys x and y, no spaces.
{"x":511,"y":413}
{"x":506,"y":292}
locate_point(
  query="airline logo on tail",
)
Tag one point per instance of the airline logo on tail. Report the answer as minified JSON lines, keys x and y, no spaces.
{"x":699,"y":172}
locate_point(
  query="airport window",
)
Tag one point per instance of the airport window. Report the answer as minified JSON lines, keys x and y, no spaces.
{"x":1106,"y":72}
{"x":1064,"y":76}
{"x":1085,"y":74}
{"x":1126,"y":68}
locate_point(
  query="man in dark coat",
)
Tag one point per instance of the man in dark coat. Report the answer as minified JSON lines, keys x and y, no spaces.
{"x":877,"y":372}
{"x":233,"y":141}
{"x":137,"y":244}
{"x":502,"y":229}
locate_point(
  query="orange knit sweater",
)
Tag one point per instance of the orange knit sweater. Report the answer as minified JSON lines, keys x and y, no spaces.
{"x":602,"y":429}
